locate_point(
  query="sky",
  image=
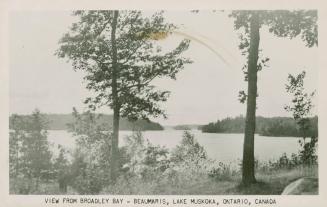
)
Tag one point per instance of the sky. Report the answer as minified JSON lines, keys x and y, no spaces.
{"x":204,"y":91}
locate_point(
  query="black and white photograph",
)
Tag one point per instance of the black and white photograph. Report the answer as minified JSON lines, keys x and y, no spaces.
{"x":218,"y":102}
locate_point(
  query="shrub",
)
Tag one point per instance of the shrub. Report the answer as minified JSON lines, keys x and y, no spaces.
{"x":29,"y":154}
{"x":308,"y":152}
{"x":145,"y":159}
{"x":153,"y":169}
{"x":91,"y":159}
{"x":188,"y":149}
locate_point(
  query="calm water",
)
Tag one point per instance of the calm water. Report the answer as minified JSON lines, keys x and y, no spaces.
{"x":223,"y":147}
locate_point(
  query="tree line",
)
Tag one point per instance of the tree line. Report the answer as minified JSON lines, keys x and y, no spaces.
{"x":274,"y":126}
{"x":61,"y":122}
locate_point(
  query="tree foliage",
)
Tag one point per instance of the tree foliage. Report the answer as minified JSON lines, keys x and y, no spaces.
{"x":118,"y":52}
{"x":90,"y":164}
{"x":62,"y":121}
{"x":61,"y":167}
{"x":189,"y":149}
{"x":300,"y":107}
{"x":273,"y":126}
{"x":144,"y":159}
{"x":139,"y":59}
{"x":29,"y":154}
{"x":281,"y":23}
{"x":301,"y":102}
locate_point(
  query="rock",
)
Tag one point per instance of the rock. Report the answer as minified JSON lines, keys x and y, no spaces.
{"x":302,"y":186}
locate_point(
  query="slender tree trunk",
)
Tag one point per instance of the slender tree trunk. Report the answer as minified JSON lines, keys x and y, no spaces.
{"x":248,"y":147}
{"x":114,"y":159}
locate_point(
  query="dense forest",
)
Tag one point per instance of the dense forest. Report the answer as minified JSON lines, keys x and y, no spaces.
{"x":186,"y":127}
{"x":274,"y":126}
{"x":61,"y":122}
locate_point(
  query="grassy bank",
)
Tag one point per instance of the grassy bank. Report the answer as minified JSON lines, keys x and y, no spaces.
{"x":269,"y":183}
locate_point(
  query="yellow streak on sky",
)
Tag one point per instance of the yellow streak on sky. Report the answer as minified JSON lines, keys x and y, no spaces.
{"x":188,"y":36}
{"x":164,"y":35}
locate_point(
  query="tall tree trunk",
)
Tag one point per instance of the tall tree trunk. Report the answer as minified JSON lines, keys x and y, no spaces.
{"x":248,"y":147}
{"x":114,"y":162}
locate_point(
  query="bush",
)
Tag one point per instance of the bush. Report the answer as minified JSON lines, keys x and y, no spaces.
{"x":91,"y":160}
{"x":155,"y":170}
{"x":308,"y":153}
{"x":189,"y":149}
{"x":144,"y":160}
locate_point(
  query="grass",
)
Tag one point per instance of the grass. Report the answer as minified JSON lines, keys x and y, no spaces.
{"x":273,"y":183}
{"x":268,"y":183}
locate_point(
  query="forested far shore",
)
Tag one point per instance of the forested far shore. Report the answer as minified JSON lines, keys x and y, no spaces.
{"x":62,"y":121}
{"x":187,"y":127}
{"x":273,"y":126}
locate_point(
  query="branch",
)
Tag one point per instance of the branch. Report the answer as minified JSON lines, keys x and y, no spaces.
{"x":103,"y":28}
{"x":144,"y":83}
{"x":132,"y":53}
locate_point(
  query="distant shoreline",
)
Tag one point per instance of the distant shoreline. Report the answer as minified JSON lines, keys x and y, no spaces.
{"x":62,"y":122}
{"x":170,"y":129}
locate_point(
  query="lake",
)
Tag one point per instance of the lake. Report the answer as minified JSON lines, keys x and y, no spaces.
{"x":226,"y":148}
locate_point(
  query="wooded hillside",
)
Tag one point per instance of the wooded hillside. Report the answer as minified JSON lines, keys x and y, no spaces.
{"x":60,"y":121}
{"x":274,"y":126}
